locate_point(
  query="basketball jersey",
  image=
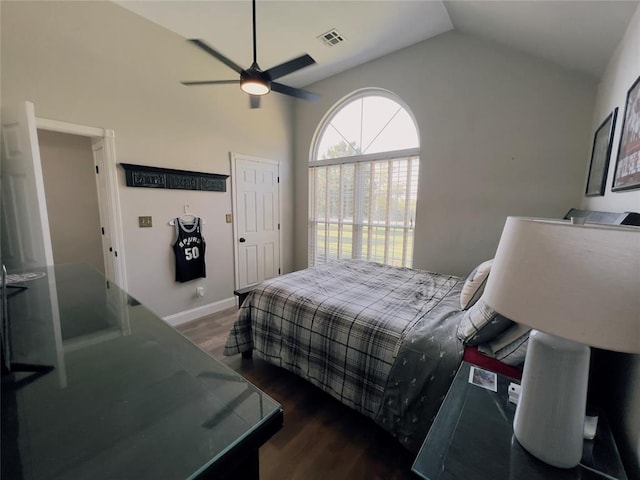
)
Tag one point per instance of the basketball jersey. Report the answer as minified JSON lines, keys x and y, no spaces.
{"x":189,"y":250}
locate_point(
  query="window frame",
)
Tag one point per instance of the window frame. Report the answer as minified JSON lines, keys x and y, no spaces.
{"x":389,"y":155}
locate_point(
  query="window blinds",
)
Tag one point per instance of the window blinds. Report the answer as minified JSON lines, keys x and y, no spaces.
{"x":363,"y":209}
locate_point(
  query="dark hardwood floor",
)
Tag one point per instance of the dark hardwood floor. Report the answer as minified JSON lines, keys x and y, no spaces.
{"x":321,"y":438}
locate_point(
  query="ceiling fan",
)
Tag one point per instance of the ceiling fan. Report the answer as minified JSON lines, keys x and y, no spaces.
{"x":255,"y":81}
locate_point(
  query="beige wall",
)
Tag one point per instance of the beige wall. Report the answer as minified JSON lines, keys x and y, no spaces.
{"x":97,"y":64}
{"x":501,"y":133}
{"x":622,"y":371}
{"x":72,"y":199}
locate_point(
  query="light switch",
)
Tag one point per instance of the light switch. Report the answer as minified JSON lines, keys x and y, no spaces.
{"x":228,"y":218}
{"x":144,"y":222}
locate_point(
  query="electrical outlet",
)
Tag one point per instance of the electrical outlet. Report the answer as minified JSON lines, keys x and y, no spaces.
{"x":144,"y":222}
{"x":200,"y":291}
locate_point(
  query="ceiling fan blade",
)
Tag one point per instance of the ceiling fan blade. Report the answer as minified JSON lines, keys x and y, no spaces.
{"x":290,"y":66}
{"x":254,"y":101}
{"x":294,"y":92}
{"x":210,"y":82}
{"x":229,"y":63}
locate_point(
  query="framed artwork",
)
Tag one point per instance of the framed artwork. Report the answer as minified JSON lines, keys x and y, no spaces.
{"x":600,"y":153}
{"x":627,"y":173}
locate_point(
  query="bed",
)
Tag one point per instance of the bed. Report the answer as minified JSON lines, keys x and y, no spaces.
{"x":380,"y":339}
{"x":385,"y":341}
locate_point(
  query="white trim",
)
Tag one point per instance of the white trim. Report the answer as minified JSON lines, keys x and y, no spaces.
{"x":199,"y":312}
{"x":64,"y":127}
{"x":367,"y":157}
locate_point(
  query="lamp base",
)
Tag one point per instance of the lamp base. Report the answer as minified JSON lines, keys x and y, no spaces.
{"x":549,"y":420}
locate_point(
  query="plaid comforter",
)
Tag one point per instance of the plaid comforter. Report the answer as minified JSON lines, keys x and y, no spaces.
{"x":341,"y":326}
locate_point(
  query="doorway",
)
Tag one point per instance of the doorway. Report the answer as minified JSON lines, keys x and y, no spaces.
{"x":71,"y":198}
{"x":95,"y":149}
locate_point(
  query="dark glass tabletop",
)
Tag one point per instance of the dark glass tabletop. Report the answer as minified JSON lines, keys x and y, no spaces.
{"x":112,"y":391}
{"x":472,"y":438}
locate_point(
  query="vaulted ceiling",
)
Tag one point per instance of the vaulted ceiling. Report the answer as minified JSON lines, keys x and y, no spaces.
{"x":579,"y":35}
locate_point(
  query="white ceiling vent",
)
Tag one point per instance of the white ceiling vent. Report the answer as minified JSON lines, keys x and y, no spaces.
{"x":331,"y":38}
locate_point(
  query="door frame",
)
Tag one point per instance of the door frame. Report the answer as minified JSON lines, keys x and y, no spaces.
{"x":234,"y":158}
{"x":112,"y":209}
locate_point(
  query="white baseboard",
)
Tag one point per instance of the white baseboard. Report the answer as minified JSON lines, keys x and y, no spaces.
{"x":198,"y":312}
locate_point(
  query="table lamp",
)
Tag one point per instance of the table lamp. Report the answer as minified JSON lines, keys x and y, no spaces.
{"x":576,"y":286}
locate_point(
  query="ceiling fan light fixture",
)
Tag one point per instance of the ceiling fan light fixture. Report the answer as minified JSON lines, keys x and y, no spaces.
{"x":254,"y":81}
{"x":254,"y":86}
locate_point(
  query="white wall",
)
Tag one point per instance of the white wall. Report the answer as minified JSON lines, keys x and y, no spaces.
{"x":624,"y":386}
{"x":622,"y":71}
{"x":501,"y":134}
{"x":97,"y":64}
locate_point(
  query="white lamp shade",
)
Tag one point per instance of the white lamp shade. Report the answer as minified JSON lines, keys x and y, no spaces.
{"x":579,"y":282}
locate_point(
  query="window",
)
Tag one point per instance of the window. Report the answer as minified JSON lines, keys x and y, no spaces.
{"x":363,"y":182}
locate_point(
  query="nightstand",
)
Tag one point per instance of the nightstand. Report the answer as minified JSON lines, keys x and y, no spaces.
{"x":472,"y":438}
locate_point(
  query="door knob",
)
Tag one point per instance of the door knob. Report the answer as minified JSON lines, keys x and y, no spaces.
{"x":242,"y":240}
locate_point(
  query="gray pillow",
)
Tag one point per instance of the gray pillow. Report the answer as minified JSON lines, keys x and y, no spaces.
{"x":481,"y":323}
{"x":510,"y":346}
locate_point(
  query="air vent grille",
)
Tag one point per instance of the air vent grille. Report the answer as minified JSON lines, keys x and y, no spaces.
{"x":331,"y":38}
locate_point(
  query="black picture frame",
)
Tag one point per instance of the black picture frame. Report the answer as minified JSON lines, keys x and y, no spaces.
{"x":600,"y":155}
{"x":627,"y":172}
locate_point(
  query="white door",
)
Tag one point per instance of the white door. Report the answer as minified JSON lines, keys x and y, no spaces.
{"x":26,"y":242}
{"x":103,"y":211}
{"x":256,"y":211}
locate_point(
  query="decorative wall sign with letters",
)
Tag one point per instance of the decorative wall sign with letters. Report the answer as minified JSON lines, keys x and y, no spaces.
{"x":156,"y":177}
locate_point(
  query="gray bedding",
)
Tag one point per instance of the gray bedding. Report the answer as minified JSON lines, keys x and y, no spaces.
{"x":380,"y":339}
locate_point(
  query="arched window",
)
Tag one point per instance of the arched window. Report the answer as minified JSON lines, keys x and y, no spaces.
{"x":363,"y":181}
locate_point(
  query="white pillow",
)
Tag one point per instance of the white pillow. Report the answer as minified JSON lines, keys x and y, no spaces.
{"x":474,"y":284}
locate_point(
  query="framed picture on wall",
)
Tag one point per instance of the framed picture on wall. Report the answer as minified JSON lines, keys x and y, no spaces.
{"x":627,"y":173}
{"x":600,"y":153}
